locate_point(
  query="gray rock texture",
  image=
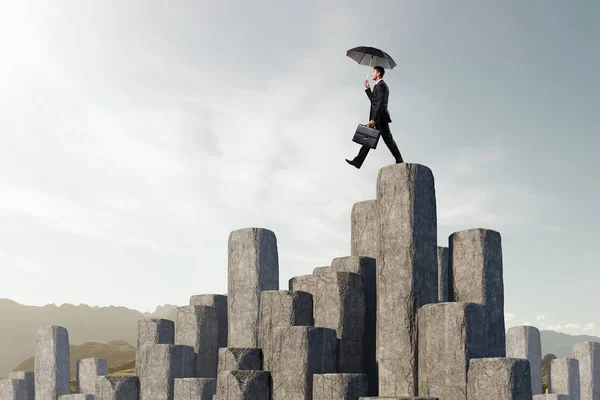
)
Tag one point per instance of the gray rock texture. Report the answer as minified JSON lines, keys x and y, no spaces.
{"x":77,"y":396}
{"x":499,"y":379}
{"x":551,"y":396}
{"x":219,"y":302}
{"x":282,"y":308}
{"x":401,"y":398}
{"x":14,"y":389}
{"x":366,"y":268}
{"x":339,"y":386}
{"x":197,"y":326}
{"x":524,"y":342}
{"x":52,"y":367}
{"x":87,"y":371}
{"x":319,"y":270}
{"x":160,"y":365}
{"x":340,"y":305}
{"x":253,"y":266}
{"x":476,"y":275}
{"x":563,"y":377}
{"x":110,"y":387}
{"x":299,"y":352}
{"x":304,"y":283}
{"x":407,"y":276}
{"x":443,"y":276}
{"x":29,"y":382}
{"x":195,"y":388}
{"x":588,"y":356}
{"x":244,"y":385}
{"x":450,"y":335}
{"x":153,"y":331}
{"x":234,"y":359}
{"x":364,"y":237}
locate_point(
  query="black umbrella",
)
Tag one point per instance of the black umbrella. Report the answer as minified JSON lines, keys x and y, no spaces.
{"x":365,"y":55}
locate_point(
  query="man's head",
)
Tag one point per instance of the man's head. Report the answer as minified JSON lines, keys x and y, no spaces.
{"x":377,"y":73}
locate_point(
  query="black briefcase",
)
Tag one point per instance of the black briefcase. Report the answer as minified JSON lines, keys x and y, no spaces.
{"x":366,"y":135}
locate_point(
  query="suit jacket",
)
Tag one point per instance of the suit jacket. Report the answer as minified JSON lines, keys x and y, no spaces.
{"x":379,"y":102}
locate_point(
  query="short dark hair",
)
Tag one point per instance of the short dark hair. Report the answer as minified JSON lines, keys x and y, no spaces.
{"x":380,"y":70}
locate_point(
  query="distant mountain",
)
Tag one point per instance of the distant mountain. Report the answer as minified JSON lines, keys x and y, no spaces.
{"x":84,"y":323}
{"x":561,"y":344}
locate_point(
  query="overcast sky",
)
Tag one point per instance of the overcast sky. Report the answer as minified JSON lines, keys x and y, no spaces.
{"x":135,"y":135}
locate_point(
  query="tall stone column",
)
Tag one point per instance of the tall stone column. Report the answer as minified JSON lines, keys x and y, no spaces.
{"x":407,"y":270}
{"x":524,"y":342}
{"x":197,"y":326}
{"x":364,"y":236}
{"x":563,"y":377}
{"x":253,"y":266}
{"x":443,"y":276}
{"x":588,"y":356}
{"x":499,"y":378}
{"x":476,"y":262}
{"x":219,"y":302}
{"x":52,"y":363}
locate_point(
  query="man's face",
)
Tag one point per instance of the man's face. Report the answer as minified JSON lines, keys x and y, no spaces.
{"x":374,"y":74}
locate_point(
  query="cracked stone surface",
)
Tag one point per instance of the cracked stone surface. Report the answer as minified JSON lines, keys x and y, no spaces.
{"x":14,"y":389}
{"x":550,"y":396}
{"x":339,"y":386}
{"x":476,"y":273}
{"x":244,"y":385}
{"x":407,"y":270}
{"x":29,"y":382}
{"x":153,"y":331}
{"x":236,"y":359}
{"x":443,"y":276}
{"x":299,"y":352}
{"x":111,"y":387}
{"x":195,"y":388}
{"x":160,"y":365}
{"x":525,"y":342}
{"x":588,"y":356}
{"x":499,"y":378}
{"x":450,"y":335}
{"x":253,"y":266}
{"x":77,"y":396}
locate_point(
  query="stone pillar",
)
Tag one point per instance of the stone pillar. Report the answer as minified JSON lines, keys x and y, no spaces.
{"x":29,"y":382}
{"x":219,"y":302}
{"x":195,"y":388}
{"x":13,"y":389}
{"x":476,"y":266}
{"x":240,"y":359}
{"x":52,"y":367}
{"x":340,"y":305}
{"x":406,"y":270}
{"x":153,"y":331}
{"x":524,"y":342}
{"x":77,"y":396}
{"x":552,"y":397}
{"x":253,"y":266}
{"x":87,"y":371}
{"x":364,"y":236}
{"x":588,"y":356}
{"x":160,"y":365}
{"x":499,"y":379}
{"x":280,"y":309}
{"x":197,"y":326}
{"x":443,"y":278}
{"x":450,"y":335}
{"x":366,"y":268}
{"x":244,"y":385}
{"x":299,"y":352}
{"x":563,"y":377}
{"x":339,"y":386}
{"x":111,"y":387}
{"x":304,"y":283}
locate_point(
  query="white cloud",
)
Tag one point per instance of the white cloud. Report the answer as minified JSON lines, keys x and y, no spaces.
{"x":589,"y":327}
{"x":540,"y":318}
{"x":508,"y":317}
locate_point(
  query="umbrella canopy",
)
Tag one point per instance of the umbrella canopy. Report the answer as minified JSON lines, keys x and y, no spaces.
{"x":371,"y":56}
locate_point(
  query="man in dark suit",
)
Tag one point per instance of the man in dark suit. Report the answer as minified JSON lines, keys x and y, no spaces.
{"x":379,"y":117}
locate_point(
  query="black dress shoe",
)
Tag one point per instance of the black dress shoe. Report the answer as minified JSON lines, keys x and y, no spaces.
{"x":352,"y":163}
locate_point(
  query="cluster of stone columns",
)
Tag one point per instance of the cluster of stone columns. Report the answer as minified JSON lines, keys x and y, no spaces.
{"x":399,"y":318}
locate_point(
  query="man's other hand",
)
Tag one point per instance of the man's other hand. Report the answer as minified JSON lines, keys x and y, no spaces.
{"x":371,"y":123}
{"x":367,"y":83}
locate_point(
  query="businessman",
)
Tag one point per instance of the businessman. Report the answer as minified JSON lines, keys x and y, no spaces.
{"x":379,"y":117}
